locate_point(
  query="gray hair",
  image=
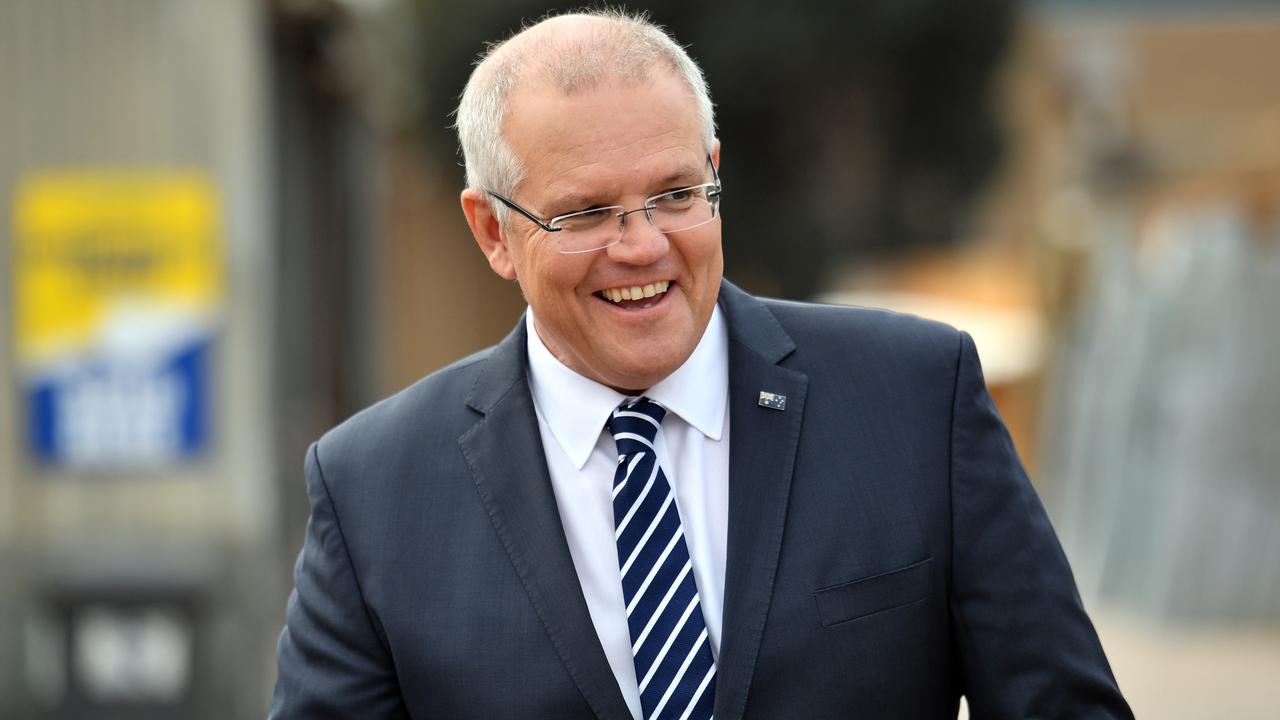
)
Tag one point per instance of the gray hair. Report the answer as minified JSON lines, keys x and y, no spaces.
{"x":610,"y":43}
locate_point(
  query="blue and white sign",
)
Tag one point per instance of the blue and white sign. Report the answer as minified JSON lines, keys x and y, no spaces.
{"x":118,"y":280}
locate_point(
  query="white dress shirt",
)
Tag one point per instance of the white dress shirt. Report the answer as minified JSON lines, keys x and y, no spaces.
{"x":693,"y":449}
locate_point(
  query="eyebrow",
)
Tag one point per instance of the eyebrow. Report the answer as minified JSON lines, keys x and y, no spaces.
{"x":687,"y":174}
{"x":577,"y":203}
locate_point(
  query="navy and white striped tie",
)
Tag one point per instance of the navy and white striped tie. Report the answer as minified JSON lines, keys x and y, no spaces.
{"x":669,"y":643}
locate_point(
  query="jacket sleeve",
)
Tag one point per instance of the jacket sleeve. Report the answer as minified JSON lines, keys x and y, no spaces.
{"x":332,"y":660}
{"x":1026,"y":647}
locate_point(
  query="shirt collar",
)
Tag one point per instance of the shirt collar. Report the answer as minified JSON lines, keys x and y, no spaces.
{"x":576,"y":408}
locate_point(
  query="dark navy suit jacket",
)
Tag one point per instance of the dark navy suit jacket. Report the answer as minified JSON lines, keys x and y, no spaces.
{"x":886,"y":553}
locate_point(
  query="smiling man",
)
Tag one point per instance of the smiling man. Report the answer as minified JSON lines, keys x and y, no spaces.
{"x":581,"y":280}
{"x":660,"y":497}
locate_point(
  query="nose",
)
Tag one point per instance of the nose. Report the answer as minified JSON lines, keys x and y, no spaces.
{"x":641,"y":242}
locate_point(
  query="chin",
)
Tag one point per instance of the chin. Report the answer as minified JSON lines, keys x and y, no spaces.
{"x":632,"y":385}
{"x":642,"y":378}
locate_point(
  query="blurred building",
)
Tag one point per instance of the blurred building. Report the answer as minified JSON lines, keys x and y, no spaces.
{"x":1162,"y":241}
{"x":138,"y":511}
{"x":216,"y":247}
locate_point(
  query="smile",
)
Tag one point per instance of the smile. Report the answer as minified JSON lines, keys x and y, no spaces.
{"x":631,"y":295}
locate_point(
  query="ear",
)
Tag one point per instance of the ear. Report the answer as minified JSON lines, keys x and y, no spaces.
{"x":478,"y":208}
{"x":715,"y":154}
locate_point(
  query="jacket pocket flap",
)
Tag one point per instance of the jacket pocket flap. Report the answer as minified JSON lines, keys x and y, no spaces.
{"x":859,"y":598}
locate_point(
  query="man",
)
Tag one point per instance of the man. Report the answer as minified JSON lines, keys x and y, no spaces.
{"x":659,"y":496}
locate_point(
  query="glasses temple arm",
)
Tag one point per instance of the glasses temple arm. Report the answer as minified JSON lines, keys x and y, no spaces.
{"x":526,"y":213}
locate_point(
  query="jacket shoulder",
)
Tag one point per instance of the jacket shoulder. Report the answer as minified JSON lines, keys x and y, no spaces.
{"x":428,"y":415}
{"x":869,"y":335}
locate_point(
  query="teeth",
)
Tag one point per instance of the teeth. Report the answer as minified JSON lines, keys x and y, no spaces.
{"x":636,"y":292}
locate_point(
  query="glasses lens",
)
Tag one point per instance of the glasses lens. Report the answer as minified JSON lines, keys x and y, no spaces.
{"x":683,"y":209}
{"x":588,"y":230}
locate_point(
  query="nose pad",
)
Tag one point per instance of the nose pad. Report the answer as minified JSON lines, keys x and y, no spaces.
{"x":640,"y":243}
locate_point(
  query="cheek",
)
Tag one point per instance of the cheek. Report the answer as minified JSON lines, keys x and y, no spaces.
{"x":704,"y":257}
{"x":527,"y":257}
{"x":557,"y":278}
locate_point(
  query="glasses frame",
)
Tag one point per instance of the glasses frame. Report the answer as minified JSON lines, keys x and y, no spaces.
{"x":552,"y":226}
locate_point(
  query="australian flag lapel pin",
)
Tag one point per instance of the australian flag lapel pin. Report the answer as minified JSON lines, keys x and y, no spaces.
{"x":773,"y":401}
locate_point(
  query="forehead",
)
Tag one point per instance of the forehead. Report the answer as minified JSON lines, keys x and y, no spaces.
{"x":610,"y":136}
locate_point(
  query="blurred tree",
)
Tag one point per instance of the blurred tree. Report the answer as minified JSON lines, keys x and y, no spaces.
{"x":851,"y":129}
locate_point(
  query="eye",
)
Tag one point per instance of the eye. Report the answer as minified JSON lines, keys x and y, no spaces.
{"x":678,"y":199}
{"x":584,"y":219}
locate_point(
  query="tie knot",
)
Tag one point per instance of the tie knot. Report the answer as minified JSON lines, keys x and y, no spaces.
{"x":634,"y":425}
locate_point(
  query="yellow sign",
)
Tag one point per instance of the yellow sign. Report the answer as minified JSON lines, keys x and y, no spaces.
{"x":88,"y":243}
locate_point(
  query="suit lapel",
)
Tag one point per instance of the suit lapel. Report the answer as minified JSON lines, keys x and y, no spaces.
{"x":762,"y":455}
{"x":504,"y":452}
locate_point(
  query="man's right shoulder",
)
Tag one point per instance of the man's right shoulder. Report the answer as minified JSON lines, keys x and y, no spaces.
{"x":431,"y":412}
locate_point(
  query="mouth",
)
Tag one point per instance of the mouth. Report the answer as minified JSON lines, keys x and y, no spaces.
{"x":636,"y":297}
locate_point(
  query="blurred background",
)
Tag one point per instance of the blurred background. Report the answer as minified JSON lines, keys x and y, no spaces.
{"x":229,"y":224}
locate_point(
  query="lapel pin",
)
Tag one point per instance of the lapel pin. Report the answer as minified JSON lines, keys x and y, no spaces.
{"x":773,"y":401}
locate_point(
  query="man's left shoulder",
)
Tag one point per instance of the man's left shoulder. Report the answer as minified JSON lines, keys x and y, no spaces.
{"x":869,"y":334}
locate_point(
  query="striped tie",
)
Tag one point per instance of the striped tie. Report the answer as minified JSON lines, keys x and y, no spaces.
{"x":669,"y":640}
